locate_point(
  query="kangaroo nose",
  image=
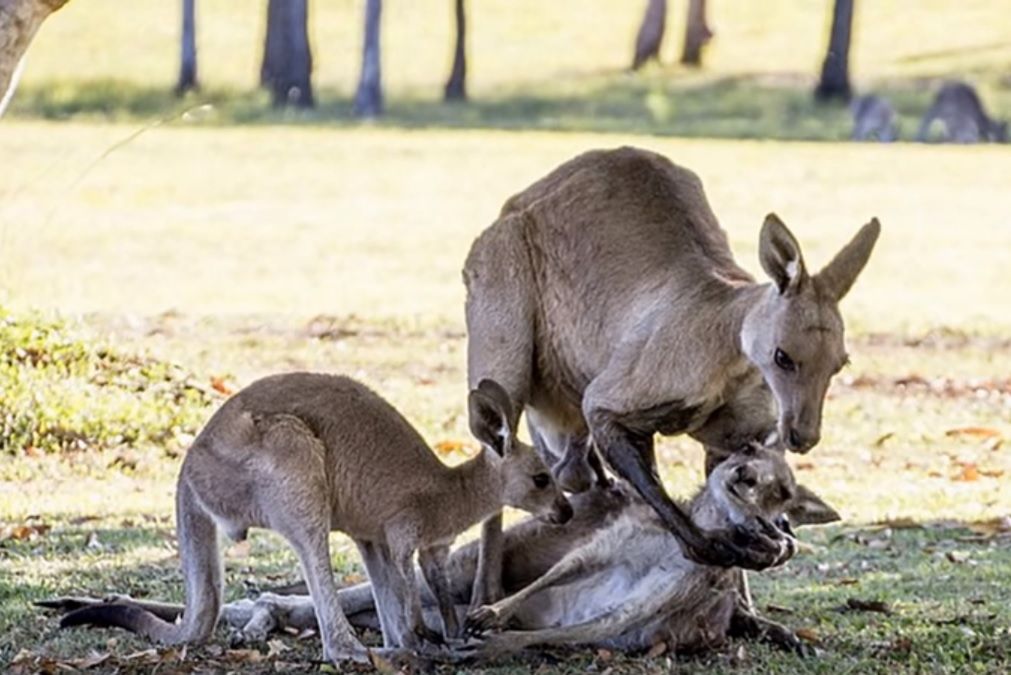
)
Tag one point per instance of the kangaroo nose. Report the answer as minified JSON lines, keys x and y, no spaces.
{"x":799,"y":441}
{"x":563,"y":512}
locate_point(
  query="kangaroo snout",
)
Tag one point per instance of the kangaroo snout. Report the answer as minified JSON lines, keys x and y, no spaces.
{"x":801,"y":441}
{"x":561,"y":512}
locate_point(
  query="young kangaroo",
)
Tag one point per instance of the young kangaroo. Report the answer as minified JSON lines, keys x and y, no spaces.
{"x":627,"y":316}
{"x":874,"y":117}
{"x":305,"y":454}
{"x":959,"y":108}
{"x":532,"y":548}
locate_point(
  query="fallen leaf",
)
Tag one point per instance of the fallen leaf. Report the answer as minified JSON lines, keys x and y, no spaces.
{"x":306,"y":634}
{"x":860,"y":605}
{"x":957,"y":557}
{"x":847,"y":581}
{"x":968,"y":474}
{"x":808,"y":635}
{"x":381,"y":664}
{"x":243,"y":655}
{"x":976,"y":432}
{"x":146,"y":655}
{"x":882,"y":439}
{"x":605,"y":655}
{"x":219,"y":385}
{"x":90,"y":661}
{"x":25,"y":532}
{"x":239,"y":550}
{"x":656,"y":650}
{"x":778,"y":609}
{"x":449,"y":447}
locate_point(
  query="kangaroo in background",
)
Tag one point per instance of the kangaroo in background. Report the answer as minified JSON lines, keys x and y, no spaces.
{"x":607,"y":303}
{"x":303,"y":454}
{"x":959,"y":108}
{"x":874,"y":118}
{"x":619,"y":587}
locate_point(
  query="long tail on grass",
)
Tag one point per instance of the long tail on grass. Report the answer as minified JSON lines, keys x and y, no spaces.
{"x":201,"y":562}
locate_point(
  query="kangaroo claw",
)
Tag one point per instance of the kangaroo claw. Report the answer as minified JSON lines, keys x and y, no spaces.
{"x":481,"y":620}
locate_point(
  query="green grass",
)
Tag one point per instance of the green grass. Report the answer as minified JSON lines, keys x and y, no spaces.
{"x":533,"y":65}
{"x":146,"y":253}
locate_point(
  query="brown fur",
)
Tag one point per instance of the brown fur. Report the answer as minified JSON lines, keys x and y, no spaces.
{"x":606,"y":301}
{"x":960,"y":110}
{"x":613,"y":541}
{"x":303,"y":454}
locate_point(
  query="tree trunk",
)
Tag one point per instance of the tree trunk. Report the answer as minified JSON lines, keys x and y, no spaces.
{"x":456,"y":86}
{"x":19,"y":21}
{"x":835,"y":75}
{"x":369,"y":97}
{"x":287,"y":58}
{"x":188,"y":50}
{"x":650,"y":36}
{"x":697,"y":33}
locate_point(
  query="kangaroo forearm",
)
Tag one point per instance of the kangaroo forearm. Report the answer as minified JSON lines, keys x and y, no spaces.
{"x":630,"y":454}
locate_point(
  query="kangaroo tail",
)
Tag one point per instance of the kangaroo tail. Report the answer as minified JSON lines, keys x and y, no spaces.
{"x":202,"y":571}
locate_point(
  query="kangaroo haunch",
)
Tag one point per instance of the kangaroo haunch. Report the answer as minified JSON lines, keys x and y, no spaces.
{"x":607,"y":303}
{"x":303,"y":454}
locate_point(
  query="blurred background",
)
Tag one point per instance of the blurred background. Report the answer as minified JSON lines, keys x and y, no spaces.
{"x":196,"y":193}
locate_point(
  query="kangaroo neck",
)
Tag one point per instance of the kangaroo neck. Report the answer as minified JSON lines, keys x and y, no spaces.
{"x":479,"y":481}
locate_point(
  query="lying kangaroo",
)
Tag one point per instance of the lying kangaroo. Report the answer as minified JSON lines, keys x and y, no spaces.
{"x":630,"y":585}
{"x":606,"y":301}
{"x":874,"y":118}
{"x":304,"y":454}
{"x":958,"y":107}
{"x":625,"y":584}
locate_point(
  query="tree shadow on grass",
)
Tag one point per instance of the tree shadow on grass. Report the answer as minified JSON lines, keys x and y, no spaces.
{"x":911,"y":596}
{"x":751,"y":106}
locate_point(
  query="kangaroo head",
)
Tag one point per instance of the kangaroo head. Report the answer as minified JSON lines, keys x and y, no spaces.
{"x":794,"y":334}
{"x":758,"y":482}
{"x":527,"y":482}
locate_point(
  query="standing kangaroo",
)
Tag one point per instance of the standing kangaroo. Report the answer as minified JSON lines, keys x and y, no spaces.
{"x":304,"y":454}
{"x":607,"y":303}
{"x":959,"y":108}
{"x":615,"y":576}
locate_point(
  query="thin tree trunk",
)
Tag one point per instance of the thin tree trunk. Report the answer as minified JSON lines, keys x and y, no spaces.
{"x":369,"y":97}
{"x":188,"y":50}
{"x":697,"y":33}
{"x":650,"y":35}
{"x":456,"y":86}
{"x":286,"y":69}
{"x":19,"y":21}
{"x":835,"y":75}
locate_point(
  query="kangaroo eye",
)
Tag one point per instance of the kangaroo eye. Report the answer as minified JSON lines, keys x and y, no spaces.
{"x":749,"y":481}
{"x":784,"y":361}
{"x":542,"y":480}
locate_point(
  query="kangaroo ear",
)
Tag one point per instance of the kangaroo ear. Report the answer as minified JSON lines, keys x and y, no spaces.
{"x":780,"y":255}
{"x":490,"y":412}
{"x":838,"y":276}
{"x":807,"y":508}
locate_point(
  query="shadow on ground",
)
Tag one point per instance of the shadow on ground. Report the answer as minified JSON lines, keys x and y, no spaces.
{"x":901,"y":596}
{"x":772,"y":106}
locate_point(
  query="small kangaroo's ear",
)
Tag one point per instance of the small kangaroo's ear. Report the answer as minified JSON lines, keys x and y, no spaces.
{"x":838,"y":276}
{"x":779,"y":253}
{"x":807,"y":508}
{"x":490,"y":411}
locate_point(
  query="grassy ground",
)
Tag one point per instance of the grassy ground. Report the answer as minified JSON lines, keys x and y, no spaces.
{"x":182,"y":246}
{"x":192,"y":254}
{"x":554,"y":65}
